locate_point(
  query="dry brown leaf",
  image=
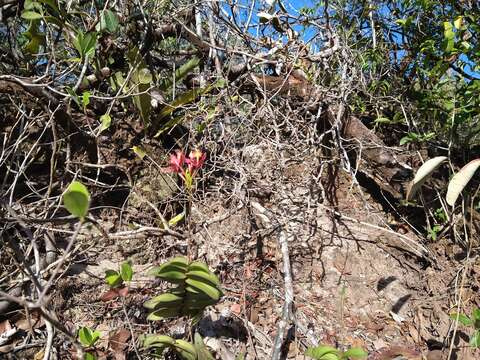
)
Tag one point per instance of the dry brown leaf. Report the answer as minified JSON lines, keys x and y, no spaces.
{"x":118,"y":343}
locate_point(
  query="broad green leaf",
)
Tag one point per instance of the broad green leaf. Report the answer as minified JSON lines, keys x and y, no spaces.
{"x":180,"y":73}
{"x":355,"y":353}
{"x":201,"y":349}
{"x":31,"y":15}
{"x":158,"y":340}
{"x":165,"y":300}
{"x":85,"y":336}
{"x":185,"y":350}
{"x":139,"y":151}
{"x":113,"y":278}
{"x":88,"y":337}
{"x":204,"y":287}
{"x":139,"y":84}
{"x":77,"y":199}
{"x":126,"y":271}
{"x":462,"y":319}
{"x":423,"y":174}
{"x":323,"y":352}
{"x":106,"y":120}
{"x":108,"y":22}
{"x":164,"y":313}
{"x":475,"y":339}
{"x":460,"y":180}
{"x":144,"y":76}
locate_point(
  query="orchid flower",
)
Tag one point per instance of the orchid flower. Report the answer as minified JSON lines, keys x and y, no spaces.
{"x":176,"y":162}
{"x":195,"y":160}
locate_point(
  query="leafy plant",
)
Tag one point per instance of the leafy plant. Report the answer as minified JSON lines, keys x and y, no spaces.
{"x":184,"y":349}
{"x":87,"y":336}
{"x":116,"y":279}
{"x":77,"y":199}
{"x":325,"y":352}
{"x":472,"y":321}
{"x":196,"y":288}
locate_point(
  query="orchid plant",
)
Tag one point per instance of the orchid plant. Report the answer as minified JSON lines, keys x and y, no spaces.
{"x":187,"y":168}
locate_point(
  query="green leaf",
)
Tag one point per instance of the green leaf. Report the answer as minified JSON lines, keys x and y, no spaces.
{"x":76,"y":199}
{"x":176,"y":219}
{"x":139,"y":151}
{"x":458,"y":22}
{"x":106,"y":120}
{"x":164,"y":313}
{"x":108,"y":22}
{"x":85,"y":336}
{"x":88,"y":337}
{"x":113,"y":278}
{"x":89,"y":356}
{"x":158,"y":340}
{"x":405,"y":140}
{"x":205,"y":288}
{"x":140,"y":83}
{"x":462,"y":319}
{"x":31,"y":15}
{"x":144,"y":76}
{"x":86,"y":98}
{"x":201,"y":349}
{"x":475,"y":339}
{"x":126,"y":271}
{"x":355,"y":353}
{"x":180,"y":73}
{"x":166,"y":300}
{"x":323,"y":352}
{"x":476,"y":314}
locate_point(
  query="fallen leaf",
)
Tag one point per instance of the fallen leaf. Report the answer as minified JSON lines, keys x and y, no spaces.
{"x":114,"y":293}
{"x":118,"y":343}
{"x":236,"y":309}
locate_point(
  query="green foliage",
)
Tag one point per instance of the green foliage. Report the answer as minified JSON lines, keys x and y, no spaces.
{"x":106,"y":121}
{"x":325,"y":352}
{"x":108,"y":22}
{"x":472,"y":321}
{"x":196,"y":288}
{"x":116,"y":279}
{"x":85,"y":43}
{"x":140,"y":82}
{"x":77,"y":199}
{"x":184,"y":349}
{"x":87,"y":336}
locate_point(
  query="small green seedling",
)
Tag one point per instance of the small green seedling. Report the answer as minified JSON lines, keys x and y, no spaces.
{"x":472,"y":321}
{"x":325,"y":352}
{"x":87,"y":336}
{"x":116,"y":279}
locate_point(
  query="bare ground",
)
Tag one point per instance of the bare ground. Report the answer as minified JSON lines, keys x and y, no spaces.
{"x":359,"y":277}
